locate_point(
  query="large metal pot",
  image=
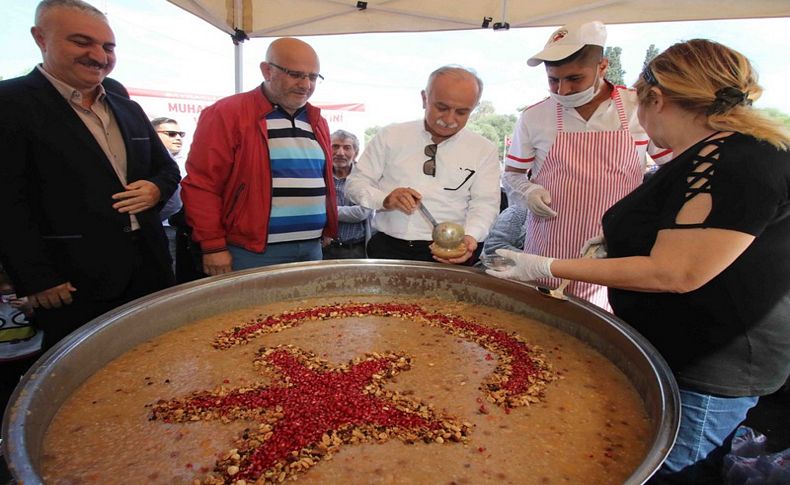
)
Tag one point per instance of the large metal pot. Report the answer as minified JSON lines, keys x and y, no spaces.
{"x":61,"y":370}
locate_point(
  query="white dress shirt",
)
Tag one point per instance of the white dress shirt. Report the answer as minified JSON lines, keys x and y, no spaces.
{"x":395,"y":158}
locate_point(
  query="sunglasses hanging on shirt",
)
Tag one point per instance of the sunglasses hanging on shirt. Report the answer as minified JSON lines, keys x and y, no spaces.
{"x":429,"y":167}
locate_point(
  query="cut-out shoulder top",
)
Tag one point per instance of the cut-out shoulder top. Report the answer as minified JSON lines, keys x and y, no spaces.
{"x":730,"y":337}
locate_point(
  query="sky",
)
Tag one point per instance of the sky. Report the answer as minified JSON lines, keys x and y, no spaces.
{"x":162,"y":47}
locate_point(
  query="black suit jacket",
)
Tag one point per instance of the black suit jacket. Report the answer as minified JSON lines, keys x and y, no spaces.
{"x":56,"y":187}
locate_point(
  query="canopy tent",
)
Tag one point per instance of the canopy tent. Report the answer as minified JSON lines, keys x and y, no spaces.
{"x":274,"y":18}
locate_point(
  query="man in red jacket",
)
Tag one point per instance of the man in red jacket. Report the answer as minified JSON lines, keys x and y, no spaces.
{"x":259,"y":187}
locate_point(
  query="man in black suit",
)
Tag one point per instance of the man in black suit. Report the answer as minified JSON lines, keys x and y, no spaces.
{"x":82,"y":178}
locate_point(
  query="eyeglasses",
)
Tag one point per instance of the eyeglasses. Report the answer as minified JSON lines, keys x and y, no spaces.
{"x":299,"y":75}
{"x":173,"y":134}
{"x":429,"y":167}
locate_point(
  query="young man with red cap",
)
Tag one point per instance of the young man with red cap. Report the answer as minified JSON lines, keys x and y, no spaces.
{"x":577,"y":152}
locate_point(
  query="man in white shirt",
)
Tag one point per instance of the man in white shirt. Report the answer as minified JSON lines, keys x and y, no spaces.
{"x":434,"y":161}
{"x":577,"y":152}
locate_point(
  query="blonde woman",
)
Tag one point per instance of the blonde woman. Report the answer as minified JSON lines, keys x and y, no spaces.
{"x":699,"y":256}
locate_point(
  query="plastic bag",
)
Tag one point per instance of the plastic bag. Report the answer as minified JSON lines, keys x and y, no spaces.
{"x":748,"y":464}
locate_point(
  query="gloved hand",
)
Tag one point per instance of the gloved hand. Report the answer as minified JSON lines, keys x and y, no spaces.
{"x":594,"y":248}
{"x":528,"y":267}
{"x":538,"y":200}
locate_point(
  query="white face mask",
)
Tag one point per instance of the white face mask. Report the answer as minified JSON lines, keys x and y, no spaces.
{"x":576,"y":99}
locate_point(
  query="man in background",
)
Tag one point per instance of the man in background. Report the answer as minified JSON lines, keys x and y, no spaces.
{"x":508,"y":232}
{"x":172,"y":138}
{"x":82,"y":180}
{"x":353,"y":220}
{"x":187,"y":260}
{"x":259,"y":188}
{"x":432,"y":161}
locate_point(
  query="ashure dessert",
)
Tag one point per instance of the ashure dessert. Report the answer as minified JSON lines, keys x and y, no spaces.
{"x":362,"y":391}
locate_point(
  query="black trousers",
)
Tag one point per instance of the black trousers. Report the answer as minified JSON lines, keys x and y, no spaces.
{"x":382,"y":246}
{"x":344,"y":250}
{"x":147,"y":277}
{"x":189,"y":258}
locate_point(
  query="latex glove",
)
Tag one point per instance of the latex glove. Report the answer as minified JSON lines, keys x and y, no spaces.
{"x":538,"y":200}
{"x":516,"y":185}
{"x":595,"y":248}
{"x":528,"y":267}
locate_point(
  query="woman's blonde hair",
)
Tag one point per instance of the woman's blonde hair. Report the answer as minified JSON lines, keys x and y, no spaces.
{"x":712,"y":80}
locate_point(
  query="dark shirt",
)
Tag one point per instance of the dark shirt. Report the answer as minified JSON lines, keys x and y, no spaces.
{"x":730,"y":337}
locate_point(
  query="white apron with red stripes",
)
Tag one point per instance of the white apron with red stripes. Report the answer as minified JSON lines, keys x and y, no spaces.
{"x":585,"y":173}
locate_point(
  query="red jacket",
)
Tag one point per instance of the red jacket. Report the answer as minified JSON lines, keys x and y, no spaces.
{"x":227,"y":192}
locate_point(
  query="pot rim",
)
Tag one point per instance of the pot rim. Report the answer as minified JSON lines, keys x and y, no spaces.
{"x":18,"y":417}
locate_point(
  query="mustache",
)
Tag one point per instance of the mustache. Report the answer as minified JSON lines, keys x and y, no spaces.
{"x":92,"y":63}
{"x":441,"y":123}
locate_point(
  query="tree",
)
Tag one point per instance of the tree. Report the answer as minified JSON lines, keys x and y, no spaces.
{"x":370,"y":132}
{"x":779,"y":116}
{"x":615,"y":74}
{"x":484,"y":129}
{"x":649,"y":55}
{"x":484,"y":121}
{"x":483,"y":109}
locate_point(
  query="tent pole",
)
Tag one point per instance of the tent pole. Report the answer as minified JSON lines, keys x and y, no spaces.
{"x":238,"y":48}
{"x":238,"y":38}
{"x":238,"y":57}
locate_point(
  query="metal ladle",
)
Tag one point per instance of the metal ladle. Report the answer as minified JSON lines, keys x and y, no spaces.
{"x":446,"y":234}
{"x":559,"y":292}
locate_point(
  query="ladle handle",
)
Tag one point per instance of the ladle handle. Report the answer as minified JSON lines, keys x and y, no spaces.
{"x":563,"y":285}
{"x":427,"y":215}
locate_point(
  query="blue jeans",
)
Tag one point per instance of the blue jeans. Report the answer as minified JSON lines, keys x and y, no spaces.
{"x":287,"y":252}
{"x":707,"y":426}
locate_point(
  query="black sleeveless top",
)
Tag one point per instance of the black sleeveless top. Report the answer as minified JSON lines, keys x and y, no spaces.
{"x":731,"y":337}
